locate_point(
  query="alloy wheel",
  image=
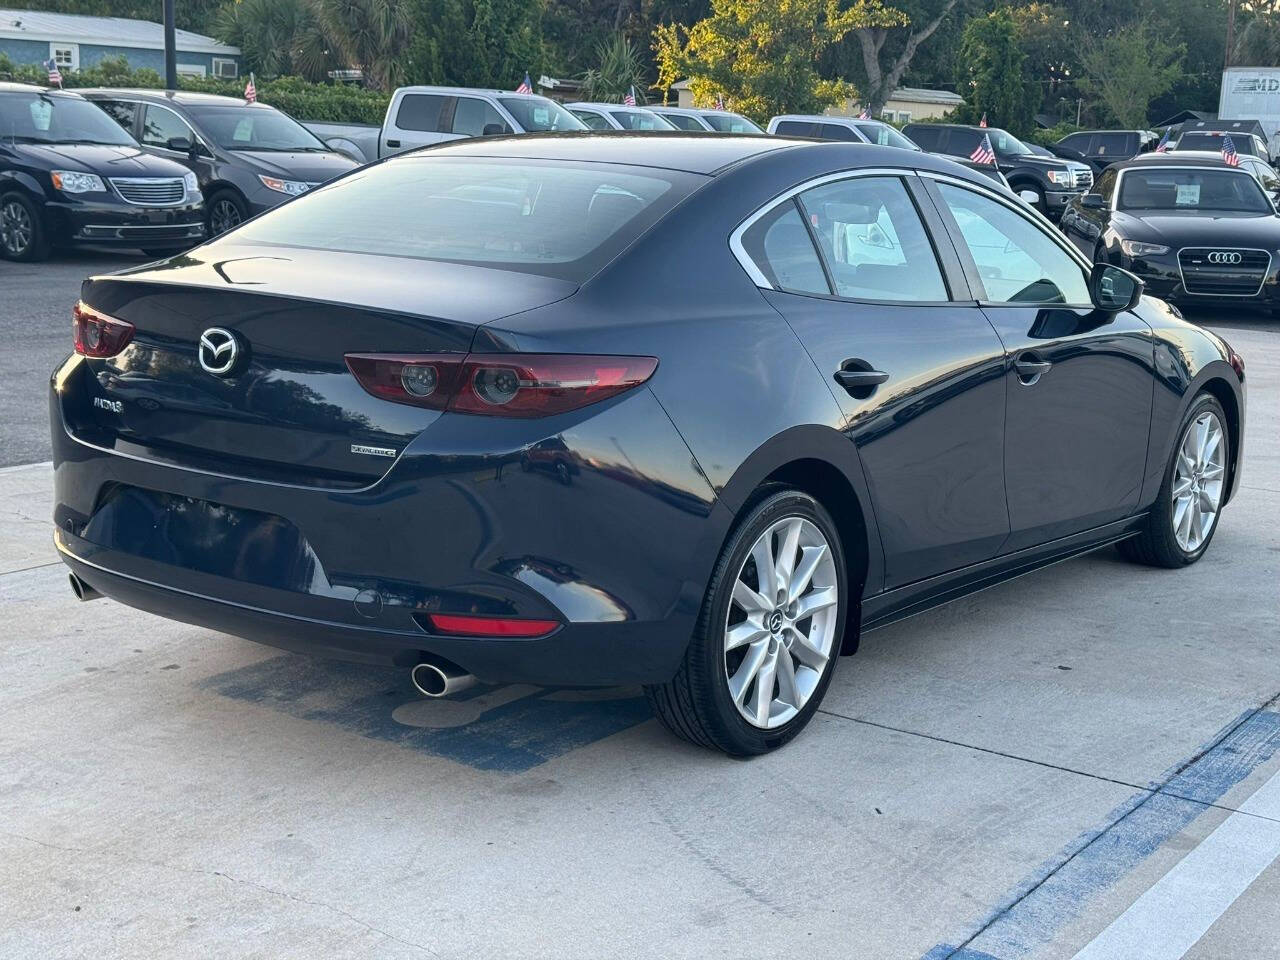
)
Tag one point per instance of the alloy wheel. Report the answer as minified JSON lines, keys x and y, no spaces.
{"x":223,"y":217}
{"x":15,"y":228}
{"x":1197,"y":481}
{"x":781,"y":624}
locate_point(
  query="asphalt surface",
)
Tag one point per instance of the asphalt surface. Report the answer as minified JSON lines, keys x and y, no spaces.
{"x":1084,"y":762}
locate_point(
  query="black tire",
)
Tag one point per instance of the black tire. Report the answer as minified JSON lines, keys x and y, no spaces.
{"x":24,"y":236}
{"x":696,"y":704}
{"x":226,"y":210}
{"x":1157,"y":545}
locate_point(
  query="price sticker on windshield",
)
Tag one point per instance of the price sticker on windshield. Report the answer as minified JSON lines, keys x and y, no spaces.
{"x":1188,"y":195}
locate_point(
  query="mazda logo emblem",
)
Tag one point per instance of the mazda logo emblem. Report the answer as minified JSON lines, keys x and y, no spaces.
{"x":219,"y":351}
{"x":1224,"y":257}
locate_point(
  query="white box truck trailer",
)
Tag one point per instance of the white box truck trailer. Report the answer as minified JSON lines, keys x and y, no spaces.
{"x":1253,"y":93}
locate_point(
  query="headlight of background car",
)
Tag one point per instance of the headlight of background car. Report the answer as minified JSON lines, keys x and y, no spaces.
{"x":291,"y":187}
{"x":1063,"y":178}
{"x":1136,"y":248}
{"x":191,"y":183}
{"x":68,"y":181}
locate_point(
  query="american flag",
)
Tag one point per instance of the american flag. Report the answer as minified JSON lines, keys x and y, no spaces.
{"x":983,"y":121}
{"x":864,"y":115}
{"x":983,"y":153}
{"x":250,"y":91}
{"x":720,"y":101}
{"x":526,"y":85}
{"x":1163,"y":145}
{"x":1229,"y":155}
{"x":630,"y":98}
{"x":55,"y":75}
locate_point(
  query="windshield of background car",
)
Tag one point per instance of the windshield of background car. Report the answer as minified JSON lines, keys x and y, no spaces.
{"x":539,"y":115}
{"x":885,"y":136}
{"x":41,"y":118}
{"x":1186,"y":189}
{"x":731,"y":123}
{"x":560,"y":219}
{"x":1213,"y":142}
{"x":254,"y":128}
{"x":1007,"y":145}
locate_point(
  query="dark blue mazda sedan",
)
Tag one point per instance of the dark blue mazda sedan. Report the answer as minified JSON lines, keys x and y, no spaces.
{"x":684,"y":411}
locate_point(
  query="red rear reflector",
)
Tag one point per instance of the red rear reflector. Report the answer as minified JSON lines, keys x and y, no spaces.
{"x":498,"y":384}
{"x":98,"y":335}
{"x":468,"y":626}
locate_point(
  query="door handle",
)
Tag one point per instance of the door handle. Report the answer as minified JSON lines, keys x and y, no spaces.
{"x":859,"y":382}
{"x":393,"y":143}
{"x":1030,"y":368}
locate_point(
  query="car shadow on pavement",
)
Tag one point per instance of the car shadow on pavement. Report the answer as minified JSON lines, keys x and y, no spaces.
{"x":508,"y":729}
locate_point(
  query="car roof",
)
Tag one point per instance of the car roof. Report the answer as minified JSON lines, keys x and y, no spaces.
{"x":9,"y":87}
{"x":1175,"y":158}
{"x":596,"y":105}
{"x":703,"y":153}
{"x":468,"y":92}
{"x":181,"y":98}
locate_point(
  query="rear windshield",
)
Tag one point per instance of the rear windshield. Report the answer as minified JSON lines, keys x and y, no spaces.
{"x":40,"y":118}
{"x":1200,"y":189}
{"x":1213,"y":141}
{"x":554,"y":218}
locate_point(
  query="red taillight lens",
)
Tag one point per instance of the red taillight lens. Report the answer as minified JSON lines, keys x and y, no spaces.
{"x":98,"y":335}
{"x":499,"y":384}
{"x":469,"y":626}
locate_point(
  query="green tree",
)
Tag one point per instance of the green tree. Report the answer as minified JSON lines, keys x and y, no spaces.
{"x":370,"y":35}
{"x":277,"y":37}
{"x":478,"y":43}
{"x":761,"y":55}
{"x":991,"y":78}
{"x":887,"y":49}
{"x":620,"y":68}
{"x":1128,"y":68}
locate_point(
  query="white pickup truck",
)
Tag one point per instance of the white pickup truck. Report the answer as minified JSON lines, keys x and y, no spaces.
{"x":420,"y":116}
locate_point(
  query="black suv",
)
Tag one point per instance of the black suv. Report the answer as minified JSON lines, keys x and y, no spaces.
{"x":248,"y":157}
{"x":1054,"y":182}
{"x":69,"y":176}
{"x":1105,"y":147}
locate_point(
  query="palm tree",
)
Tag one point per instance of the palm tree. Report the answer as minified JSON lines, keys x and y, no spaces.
{"x":620,"y":69}
{"x":276,"y":37}
{"x":369,"y":34}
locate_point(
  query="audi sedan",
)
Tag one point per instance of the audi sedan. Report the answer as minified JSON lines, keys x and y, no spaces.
{"x":687,"y":411}
{"x":1195,"y":229}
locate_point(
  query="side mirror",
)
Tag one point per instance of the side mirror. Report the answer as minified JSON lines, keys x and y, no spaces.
{"x":1029,"y":196}
{"x":1092,"y":201}
{"x":494,"y":130}
{"x":1114,"y":290}
{"x":180,"y":144}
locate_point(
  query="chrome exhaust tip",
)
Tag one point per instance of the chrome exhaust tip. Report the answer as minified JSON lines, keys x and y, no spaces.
{"x":440,"y":679}
{"x":81,"y":589}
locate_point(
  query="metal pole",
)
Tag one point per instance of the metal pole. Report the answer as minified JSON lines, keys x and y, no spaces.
{"x":170,"y":52}
{"x":1231,"y":34}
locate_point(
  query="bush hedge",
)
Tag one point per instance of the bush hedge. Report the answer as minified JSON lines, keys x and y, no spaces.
{"x":300,"y":98}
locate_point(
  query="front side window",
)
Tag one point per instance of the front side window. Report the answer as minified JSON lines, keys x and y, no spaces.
{"x":477,"y":118}
{"x":1007,"y":145}
{"x":1079,"y":142}
{"x":593,"y":120}
{"x":640,"y":120}
{"x":1115,"y":145}
{"x":161,"y":125}
{"x":1017,"y":260}
{"x":1107,"y":185}
{"x":872,"y":240}
{"x":731,"y":123}
{"x":1192,"y":189}
{"x":555,"y":218}
{"x":55,"y":118}
{"x":780,"y":245}
{"x":681,"y":122}
{"x":540,"y":115}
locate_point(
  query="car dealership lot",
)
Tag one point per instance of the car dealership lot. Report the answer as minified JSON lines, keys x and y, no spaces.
{"x":1050,"y":763}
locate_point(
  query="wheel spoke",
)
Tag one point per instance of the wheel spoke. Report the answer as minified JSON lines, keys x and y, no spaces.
{"x":749,"y":600}
{"x":764,"y":687}
{"x":741,"y":634}
{"x":1212,"y":472}
{"x":802,"y":649}
{"x":1180,"y":487}
{"x":817,"y":600}
{"x":762,"y":554}
{"x":750,"y":666}
{"x":787,"y":691}
{"x":809,"y":559}
{"x":789,"y":544}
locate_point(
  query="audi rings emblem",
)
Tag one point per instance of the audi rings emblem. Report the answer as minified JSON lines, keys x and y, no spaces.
{"x":1224,"y":257}
{"x":220,"y":351}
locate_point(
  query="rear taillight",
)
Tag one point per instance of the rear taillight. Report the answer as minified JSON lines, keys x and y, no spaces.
{"x":498,"y":384}
{"x":98,"y":335}
{"x":462,"y":625}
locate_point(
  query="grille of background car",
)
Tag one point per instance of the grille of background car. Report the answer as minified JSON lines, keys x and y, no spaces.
{"x":1084,"y":179}
{"x":150,"y":191}
{"x":1242,"y":280}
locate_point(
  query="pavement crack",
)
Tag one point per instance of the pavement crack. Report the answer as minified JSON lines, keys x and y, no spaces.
{"x":34,"y":566}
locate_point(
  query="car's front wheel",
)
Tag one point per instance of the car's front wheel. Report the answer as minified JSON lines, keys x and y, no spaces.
{"x":1185,"y":515}
{"x":769,"y":633}
{"x":226,"y":212}
{"x":23,"y":235}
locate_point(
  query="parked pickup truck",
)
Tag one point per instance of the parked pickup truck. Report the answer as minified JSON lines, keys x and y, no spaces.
{"x":420,"y":116}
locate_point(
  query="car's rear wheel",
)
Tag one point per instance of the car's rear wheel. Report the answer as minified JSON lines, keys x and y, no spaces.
{"x":226,"y":211}
{"x":769,"y":633}
{"x":1185,"y":516}
{"x":23,"y":235}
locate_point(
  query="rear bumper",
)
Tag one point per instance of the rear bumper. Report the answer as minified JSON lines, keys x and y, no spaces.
{"x":619,"y":556}
{"x":121,"y":225}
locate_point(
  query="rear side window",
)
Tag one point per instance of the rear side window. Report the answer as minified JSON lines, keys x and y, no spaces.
{"x":1116,"y":145}
{"x":836,"y":131}
{"x":554,"y":218}
{"x":639,"y":120}
{"x":796,"y":128}
{"x":780,"y":245}
{"x":477,"y":118}
{"x":593,"y":120}
{"x":924,"y":136}
{"x":872,"y":240}
{"x":962,"y":142}
{"x":420,"y":111}
{"x":681,"y":122}
{"x":1079,"y":142}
